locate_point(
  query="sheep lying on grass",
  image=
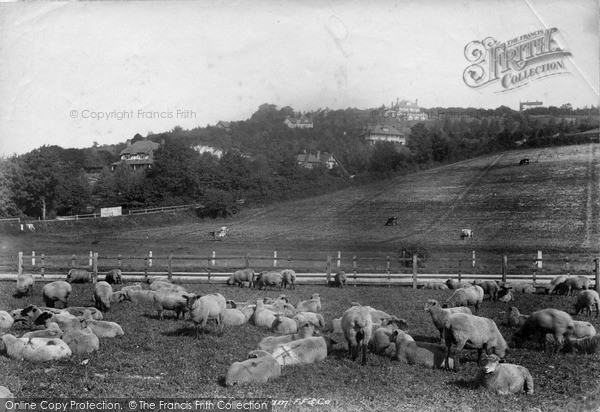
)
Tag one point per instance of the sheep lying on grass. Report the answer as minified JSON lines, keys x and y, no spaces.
{"x":504,"y":378}
{"x":429,"y":354}
{"x":357,"y":326}
{"x":380,"y":343}
{"x":233,"y":317}
{"x":288,"y":277}
{"x":587,"y":299}
{"x":81,"y":339}
{"x":79,"y":276}
{"x":260,"y":368}
{"x":466,"y":296}
{"x":80,"y":311}
{"x":263,"y":317}
{"x":439,"y":314}
{"x":453,"y":284}
{"x":315,"y":319}
{"x":311,"y":305}
{"x":52,"y":330}
{"x":269,"y":343}
{"x":58,"y":291}
{"x":545,"y":321}
{"x":205,"y":308}
{"x":135,"y":286}
{"x":284,"y":325}
{"x":286,"y":309}
{"x":34,"y":349}
{"x":472,"y":332}
{"x":505,"y":295}
{"x":435,"y":286}
{"x":43,"y":317}
{"x":585,"y":346}
{"x":25,"y":282}
{"x":6,"y":320}
{"x":303,"y":351}
{"x":102,"y":328}
{"x":166,"y":285}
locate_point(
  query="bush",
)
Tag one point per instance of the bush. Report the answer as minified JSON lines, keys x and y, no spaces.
{"x":218,"y":204}
{"x":418,"y":249}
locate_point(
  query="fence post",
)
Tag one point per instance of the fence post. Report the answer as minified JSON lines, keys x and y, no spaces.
{"x":214,"y":254}
{"x":43,"y":264}
{"x":208,"y":266}
{"x":597,"y":272}
{"x":150,"y":258}
{"x":473,"y":258}
{"x":354,"y":268}
{"x":247,"y":261}
{"x":146,"y":269}
{"x":328,"y":269}
{"x":459,"y":269}
{"x":32,"y":258}
{"x":534,"y":270}
{"x":119,"y":258}
{"x":20,"y":269}
{"x":414,"y":268}
{"x":275,"y":259}
{"x":339,"y":259}
{"x":91,"y":259}
{"x":95,"y":266}
{"x":504,"y":267}
{"x":73,"y":261}
{"x":388,"y":268}
{"x":170,"y":266}
{"x":539,"y":261}
{"x":568,"y":266}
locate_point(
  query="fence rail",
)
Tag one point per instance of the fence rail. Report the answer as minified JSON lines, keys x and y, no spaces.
{"x":386,"y":271}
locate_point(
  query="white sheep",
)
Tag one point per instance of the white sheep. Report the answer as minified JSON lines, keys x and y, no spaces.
{"x":241,"y":276}
{"x":284,"y":325}
{"x":474,"y":332}
{"x":380,"y":342}
{"x":25,"y":282}
{"x":261,"y":367}
{"x":288,"y":277}
{"x":439,"y":314}
{"x":311,"y":305}
{"x":52,"y":330}
{"x":6,"y":320}
{"x":489,"y":287}
{"x":104,"y":296}
{"x":102,"y":328}
{"x":80,"y":311}
{"x":357,"y":326}
{"x":472,"y":295}
{"x":269,"y":343}
{"x":58,"y":291}
{"x":513,"y":317}
{"x":504,"y":378}
{"x":303,"y":351}
{"x":310,"y":317}
{"x":43,"y":317}
{"x":285,"y":308}
{"x":81,"y":339}
{"x":34,"y":349}
{"x":165,"y":285}
{"x":453,"y":284}
{"x":267,"y":279}
{"x":333,"y":326}
{"x":582,"y":329}
{"x":234,"y":317}
{"x":141,"y":296}
{"x":587,"y":299}
{"x":205,"y":308}
{"x":5,"y":394}
{"x":135,"y":286}
{"x":263,"y":317}
{"x":585,"y":346}
{"x":435,"y":286}
{"x":539,"y":323}
{"x":505,"y":295}
{"x":429,"y":354}
{"x":169,"y":300}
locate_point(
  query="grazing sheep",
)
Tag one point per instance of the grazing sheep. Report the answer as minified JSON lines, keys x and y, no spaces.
{"x":546,"y":321}
{"x":489,"y":287}
{"x":472,"y":332}
{"x":311,"y":305}
{"x":435,"y":286}
{"x":582,"y":329}
{"x":339,"y":281}
{"x":504,"y":378}
{"x":104,"y":296}
{"x":263,"y":317}
{"x":34,"y":349}
{"x":260,"y":368}
{"x":205,"y":308}
{"x":269,"y":343}
{"x":514,"y":318}
{"x":504,"y":294}
{"x":303,"y":351}
{"x":465,"y":297}
{"x":114,"y":276}
{"x":288,"y":277}
{"x":585,"y":346}
{"x":562,"y":289}
{"x":79,"y":276}
{"x":380,"y":342}
{"x":25,"y":283}
{"x":357,"y":326}
{"x":52,"y":330}
{"x":576,"y":283}
{"x":241,"y":276}
{"x":453,"y":284}
{"x":284,"y":325}
{"x":6,"y":320}
{"x":58,"y":291}
{"x":315,"y":319}
{"x":556,"y":281}
{"x":586,"y":299}
{"x":81,"y":339}
{"x":439,"y":314}
{"x":267,"y":279}
{"x":175,"y":301}
{"x":141,"y":296}
{"x":432,"y":354}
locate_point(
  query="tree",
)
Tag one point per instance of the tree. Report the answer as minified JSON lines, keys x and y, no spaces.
{"x":8,"y":172}
{"x":420,"y":143}
{"x":73,"y":193}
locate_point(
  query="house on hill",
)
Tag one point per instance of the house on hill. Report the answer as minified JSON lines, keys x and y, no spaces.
{"x":383,"y":133}
{"x":224,"y":125}
{"x":138,"y":156}
{"x":298,"y":123}
{"x":310,"y":161}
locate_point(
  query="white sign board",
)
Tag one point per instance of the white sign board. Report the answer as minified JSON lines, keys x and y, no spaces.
{"x":110,"y":211}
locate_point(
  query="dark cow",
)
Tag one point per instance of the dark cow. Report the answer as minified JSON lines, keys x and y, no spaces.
{"x":392,"y":221}
{"x":466,"y":233}
{"x":524,"y":162}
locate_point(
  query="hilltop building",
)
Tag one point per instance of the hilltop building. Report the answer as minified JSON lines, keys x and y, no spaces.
{"x":310,"y":161}
{"x":298,"y":123}
{"x":139,"y":155}
{"x":383,"y":133}
{"x":407,"y":110}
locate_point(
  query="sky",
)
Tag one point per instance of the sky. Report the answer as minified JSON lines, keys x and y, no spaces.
{"x":76,"y":73}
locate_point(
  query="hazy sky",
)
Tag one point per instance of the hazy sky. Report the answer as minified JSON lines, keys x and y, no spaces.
{"x":64,"y":64}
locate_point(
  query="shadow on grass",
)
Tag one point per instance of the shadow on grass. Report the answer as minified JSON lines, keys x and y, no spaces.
{"x":190,"y":331}
{"x":464,"y":383}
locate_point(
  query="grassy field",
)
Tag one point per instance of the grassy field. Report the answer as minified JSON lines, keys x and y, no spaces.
{"x":163,"y":359}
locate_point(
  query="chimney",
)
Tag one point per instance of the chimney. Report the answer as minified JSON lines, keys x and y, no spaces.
{"x":128,"y":142}
{"x":318,"y":155}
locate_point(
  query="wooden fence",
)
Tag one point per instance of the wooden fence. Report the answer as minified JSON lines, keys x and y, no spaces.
{"x":359,"y":270}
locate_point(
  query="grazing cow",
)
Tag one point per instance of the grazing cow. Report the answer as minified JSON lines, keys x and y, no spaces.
{"x":524,"y":162}
{"x":466,"y":233}
{"x":392,"y":221}
{"x":220,"y":234}
{"x":30,"y":227}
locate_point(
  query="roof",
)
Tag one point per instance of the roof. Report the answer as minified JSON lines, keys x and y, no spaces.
{"x":306,"y":158}
{"x":134,"y":162}
{"x":383,"y":130}
{"x":224,"y":124}
{"x":141,"y":146}
{"x":302,"y":120}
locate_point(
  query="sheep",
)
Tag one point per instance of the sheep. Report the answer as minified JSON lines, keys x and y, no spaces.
{"x":562,"y":289}
{"x":357,"y":326}
{"x":472,"y":332}
{"x":514,"y":318}
{"x":58,"y":291}
{"x":135,"y":286}
{"x":589,"y":345}
{"x":285,"y":308}
{"x":582,"y":329}
{"x":339,"y":280}
{"x":521,"y":287}
{"x":80,"y":311}
{"x":311,"y":305}
{"x":586,"y":299}
{"x":378,"y":315}
{"x":34,"y":349}
{"x":288,"y":277}
{"x":6,"y":320}
{"x":439,"y":314}
{"x":42,"y":317}
{"x":546,"y":321}
{"x":432,"y":355}
{"x":269,"y":343}
{"x":315,"y":319}
{"x":104,"y":296}
{"x":163,"y":285}
{"x":79,"y":276}
{"x":380,"y":342}
{"x":205,"y":308}
{"x":453,"y":284}
{"x":241,"y":276}
{"x":81,"y":339}
{"x":25,"y":283}
{"x":233,"y":317}
{"x":114,"y":276}
{"x":556,"y":281}
{"x":576,"y":283}
{"x":103,"y":329}
{"x":267,"y":279}
{"x":303,"y":351}
{"x":5,"y":394}
{"x":52,"y":330}
{"x":504,"y":295}
{"x":504,"y":378}
{"x":260,"y":368}
{"x":175,"y":301}
{"x":333,"y":326}
{"x":141,"y":296}
{"x":489,"y":287}
{"x":284,"y":325}
{"x":466,"y":296}
{"x":435,"y":286}
{"x":262,"y":316}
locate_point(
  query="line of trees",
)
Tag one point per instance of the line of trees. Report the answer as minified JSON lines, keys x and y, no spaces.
{"x":259,"y":162}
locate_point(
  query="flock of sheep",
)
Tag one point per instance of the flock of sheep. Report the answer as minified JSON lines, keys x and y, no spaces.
{"x":300,"y":329}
